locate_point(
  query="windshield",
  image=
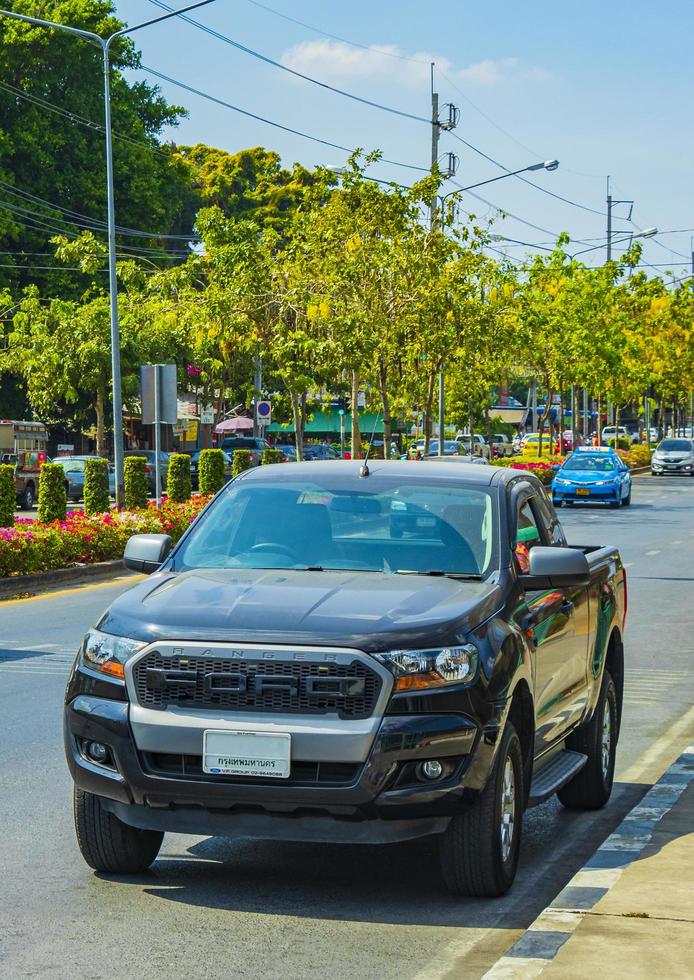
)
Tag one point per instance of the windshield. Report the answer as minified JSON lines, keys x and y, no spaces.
{"x":71,"y":465}
{"x":676,"y":445}
{"x":380,"y":525}
{"x":590,"y":464}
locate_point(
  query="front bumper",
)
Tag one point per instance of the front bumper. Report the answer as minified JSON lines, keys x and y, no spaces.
{"x":607,"y":494}
{"x":684,"y":469}
{"x":377,"y":798}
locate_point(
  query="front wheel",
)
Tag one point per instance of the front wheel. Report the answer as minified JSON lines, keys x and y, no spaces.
{"x":590,"y":788}
{"x":109,"y":845}
{"x":627,"y":499}
{"x":480,"y":847}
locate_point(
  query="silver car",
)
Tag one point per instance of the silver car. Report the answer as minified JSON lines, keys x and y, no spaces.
{"x":673,"y":456}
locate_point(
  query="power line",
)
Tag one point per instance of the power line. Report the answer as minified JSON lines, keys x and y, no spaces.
{"x":269,"y":122}
{"x":543,"y":190}
{"x":75,"y":117}
{"x":291,"y":71}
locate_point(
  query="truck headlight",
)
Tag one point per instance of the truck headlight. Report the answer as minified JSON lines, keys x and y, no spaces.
{"x":108,"y":653}
{"x":416,"y":669}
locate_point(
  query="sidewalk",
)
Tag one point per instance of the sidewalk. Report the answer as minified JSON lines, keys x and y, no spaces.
{"x":630,"y":909}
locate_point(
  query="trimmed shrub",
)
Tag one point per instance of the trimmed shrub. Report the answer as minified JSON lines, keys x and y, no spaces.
{"x":8,"y":495}
{"x":52,"y":495}
{"x":97,"y":498}
{"x":178,"y":485}
{"x":241,"y":462}
{"x":271,"y":455}
{"x":136,"y":483}
{"x":211,"y":471}
{"x":620,"y":443}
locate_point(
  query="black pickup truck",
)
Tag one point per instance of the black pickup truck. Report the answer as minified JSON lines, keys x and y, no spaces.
{"x":350,"y":653}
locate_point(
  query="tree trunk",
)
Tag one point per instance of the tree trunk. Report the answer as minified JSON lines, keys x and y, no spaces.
{"x":545,"y":416}
{"x":617,"y":413}
{"x":356,"y":434}
{"x":385,"y":398}
{"x":574,"y":424}
{"x":489,"y":430}
{"x":561,"y":417}
{"x":99,"y":407}
{"x":599,"y":420}
{"x":661,"y":420}
{"x":431,"y":382}
{"x":471,"y":423}
{"x":298,"y":424}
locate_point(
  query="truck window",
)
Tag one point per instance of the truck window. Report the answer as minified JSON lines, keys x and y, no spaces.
{"x":528,"y":534}
{"x":554,"y":533}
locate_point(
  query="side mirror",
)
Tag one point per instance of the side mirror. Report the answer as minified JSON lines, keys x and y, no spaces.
{"x":556,"y":568}
{"x":556,"y":466}
{"x":146,"y":552}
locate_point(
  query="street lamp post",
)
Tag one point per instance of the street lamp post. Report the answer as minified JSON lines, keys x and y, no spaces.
{"x":546,"y":165}
{"x":646,"y":233}
{"x":105,"y":45}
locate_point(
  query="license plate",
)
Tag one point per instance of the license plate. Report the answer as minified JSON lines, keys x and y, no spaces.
{"x":246,"y":753}
{"x":582,"y":492}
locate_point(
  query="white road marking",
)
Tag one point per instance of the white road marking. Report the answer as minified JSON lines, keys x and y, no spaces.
{"x":655,"y":552}
{"x":628,"y":564}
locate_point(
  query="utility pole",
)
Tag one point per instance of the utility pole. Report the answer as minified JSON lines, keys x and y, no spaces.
{"x":258,"y":385}
{"x":609,"y":222}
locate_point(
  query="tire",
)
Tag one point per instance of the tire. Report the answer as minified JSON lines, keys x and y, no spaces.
{"x":627,"y":500}
{"x":473,"y":859}
{"x":590,"y":789}
{"x":28,"y":498}
{"x":109,"y":845}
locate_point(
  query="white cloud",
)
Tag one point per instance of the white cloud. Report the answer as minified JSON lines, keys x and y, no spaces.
{"x":335,"y":61}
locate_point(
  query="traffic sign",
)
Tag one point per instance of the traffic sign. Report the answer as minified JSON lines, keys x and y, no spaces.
{"x":207,"y":415}
{"x":263,"y":411}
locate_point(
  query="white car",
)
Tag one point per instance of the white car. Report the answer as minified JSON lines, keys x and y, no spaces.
{"x":609,"y":432}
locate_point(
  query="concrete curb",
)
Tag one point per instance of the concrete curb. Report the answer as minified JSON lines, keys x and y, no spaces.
{"x":541,"y":942}
{"x":21,"y":584}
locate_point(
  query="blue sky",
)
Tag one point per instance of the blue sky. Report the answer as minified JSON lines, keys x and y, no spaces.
{"x":603,"y":87}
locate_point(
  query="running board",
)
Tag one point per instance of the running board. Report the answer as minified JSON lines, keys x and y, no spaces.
{"x":555,"y":774}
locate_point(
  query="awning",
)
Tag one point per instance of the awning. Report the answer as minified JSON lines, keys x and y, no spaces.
{"x":328,"y":423}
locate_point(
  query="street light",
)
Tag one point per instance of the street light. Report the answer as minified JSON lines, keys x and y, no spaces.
{"x":546,"y":165}
{"x":105,"y":45}
{"x":646,"y":233}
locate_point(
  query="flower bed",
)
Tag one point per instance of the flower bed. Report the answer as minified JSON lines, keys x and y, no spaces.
{"x":541,"y":468}
{"x":29,"y":546}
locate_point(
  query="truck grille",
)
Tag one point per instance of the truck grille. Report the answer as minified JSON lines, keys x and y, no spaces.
{"x":296,"y":687}
{"x":176,"y":766}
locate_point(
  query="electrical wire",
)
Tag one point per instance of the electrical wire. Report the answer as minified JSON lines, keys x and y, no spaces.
{"x":543,"y":190}
{"x":269,"y":122}
{"x":291,"y":71}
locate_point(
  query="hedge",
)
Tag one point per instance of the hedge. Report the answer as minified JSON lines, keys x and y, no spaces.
{"x":31,"y":547}
{"x":8,"y":495}
{"x":211,"y":471}
{"x":52,"y":495}
{"x":97,"y":497}
{"x":136,"y":483}
{"x":241,"y":461}
{"x":178,"y":485}
{"x":271,"y":455}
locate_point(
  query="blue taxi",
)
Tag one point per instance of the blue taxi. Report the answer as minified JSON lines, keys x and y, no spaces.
{"x":592,"y":475}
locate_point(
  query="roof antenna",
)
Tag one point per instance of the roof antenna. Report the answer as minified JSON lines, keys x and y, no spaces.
{"x":364,"y":470}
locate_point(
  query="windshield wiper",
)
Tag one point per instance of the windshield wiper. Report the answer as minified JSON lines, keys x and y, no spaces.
{"x":438,"y":573}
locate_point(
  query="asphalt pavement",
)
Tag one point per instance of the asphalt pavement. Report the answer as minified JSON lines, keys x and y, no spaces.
{"x":223,"y":908}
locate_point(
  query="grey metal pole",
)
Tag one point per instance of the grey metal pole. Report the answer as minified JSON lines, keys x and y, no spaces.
{"x":609,"y":222}
{"x":435,"y":134}
{"x":342,"y":435}
{"x":113,"y":296}
{"x":157,"y":433}
{"x":257,"y":384}
{"x":442,"y":409}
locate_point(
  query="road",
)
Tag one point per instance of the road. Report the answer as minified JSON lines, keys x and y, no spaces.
{"x":220,"y":908}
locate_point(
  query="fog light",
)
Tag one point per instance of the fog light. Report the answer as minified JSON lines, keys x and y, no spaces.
{"x":97,"y":752}
{"x":431,"y":769}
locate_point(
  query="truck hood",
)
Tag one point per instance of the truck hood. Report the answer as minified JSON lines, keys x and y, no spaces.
{"x":367,"y":610}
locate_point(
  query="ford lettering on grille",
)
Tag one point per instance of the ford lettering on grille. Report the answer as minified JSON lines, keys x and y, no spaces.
{"x":349,"y":689}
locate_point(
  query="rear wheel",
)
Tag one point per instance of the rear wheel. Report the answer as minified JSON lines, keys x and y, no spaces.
{"x":479,"y":849}
{"x":109,"y":845}
{"x":590,"y":789}
{"x":28,"y":497}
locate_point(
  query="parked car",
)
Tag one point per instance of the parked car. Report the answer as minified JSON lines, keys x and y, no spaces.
{"x":288,"y":451}
{"x":255,"y":446}
{"x":451,"y":447}
{"x":610,"y":432}
{"x":477,"y":446}
{"x":150,"y":456}
{"x":320,"y":451}
{"x":74,"y":467}
{"x":673,"y":456}
{"x":195,"y":464}
{"x":370,"y":688}
{"x":592,"y":475}
{"x":501,"y":446}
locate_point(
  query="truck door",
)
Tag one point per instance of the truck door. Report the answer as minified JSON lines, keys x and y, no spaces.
{"x":556,"y":622}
